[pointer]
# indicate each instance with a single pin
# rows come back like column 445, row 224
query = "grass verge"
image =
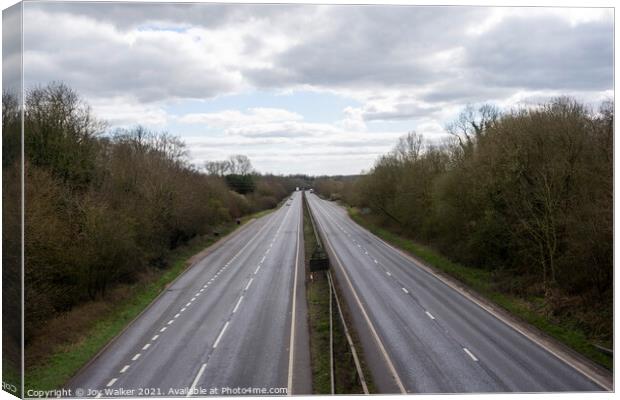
column 318, row 295
column 66, row 359
column 481, row 281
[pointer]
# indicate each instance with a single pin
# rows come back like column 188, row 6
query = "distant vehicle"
column 297, row 189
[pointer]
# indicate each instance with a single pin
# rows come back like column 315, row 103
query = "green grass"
column 317, row 293
column 66, row 360
column 318, row 315
column 346, row 380
column 480, row 281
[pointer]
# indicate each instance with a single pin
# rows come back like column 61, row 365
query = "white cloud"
column 235, row 118
column 398, row 65
column 125, row 112
column 353, row 119
column 98, row 59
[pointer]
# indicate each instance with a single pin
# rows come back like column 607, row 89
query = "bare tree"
column 408, row 147
column 218, row 168
column 471, row 123
column 240, row 165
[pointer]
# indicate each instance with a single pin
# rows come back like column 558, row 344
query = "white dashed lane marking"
column 429, row 315
column 134, row 358
column 405, row 290
column 146, row 346
column 237, row 305
column 125, row 368
column 469, row 353
column 200, row 371
column 111, row 382
column 219, row 337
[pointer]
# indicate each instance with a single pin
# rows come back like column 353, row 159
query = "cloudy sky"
column 306, row 88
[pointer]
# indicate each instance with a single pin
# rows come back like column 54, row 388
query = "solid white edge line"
column 356, row 360
column 195, row 382
column 382, row 349
column 237, row 305
column 111, row 382
column 291, row 351
column 217, row 341
column 469, row 353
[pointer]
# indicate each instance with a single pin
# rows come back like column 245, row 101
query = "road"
column 420, row 334
column 230, row 321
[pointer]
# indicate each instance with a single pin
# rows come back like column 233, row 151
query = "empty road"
column 234, row 321
column 421, row 335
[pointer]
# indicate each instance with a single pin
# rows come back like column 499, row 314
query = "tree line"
column 104, row 206
column 526, row 194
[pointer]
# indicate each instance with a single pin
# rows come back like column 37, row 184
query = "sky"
column 315, row 89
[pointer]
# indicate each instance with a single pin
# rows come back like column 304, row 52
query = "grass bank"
column 481, row 281
column 81, row 333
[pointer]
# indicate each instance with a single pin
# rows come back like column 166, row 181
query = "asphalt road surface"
column 234, row 321
column 421, row 335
